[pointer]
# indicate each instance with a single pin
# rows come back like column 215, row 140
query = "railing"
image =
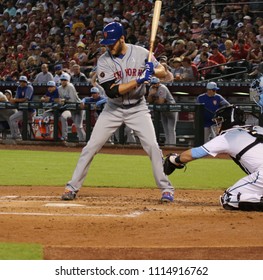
column 227, row 88
column 233, row 65
column 197, row 109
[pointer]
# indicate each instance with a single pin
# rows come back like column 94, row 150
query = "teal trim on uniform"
column 198, row 152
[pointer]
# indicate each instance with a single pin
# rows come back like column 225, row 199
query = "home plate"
column 64, row 205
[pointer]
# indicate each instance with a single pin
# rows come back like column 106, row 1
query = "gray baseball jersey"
column 122, row 70
column 5, row 113
column 70, row 94
column 130, row 109
column 164, row 92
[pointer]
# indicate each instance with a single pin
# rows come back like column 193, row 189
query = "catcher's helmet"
column 229, row 116
column 112, row 33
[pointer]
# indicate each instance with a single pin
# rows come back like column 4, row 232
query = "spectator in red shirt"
column 255, row 55
column 204, row 63
column 217, row 56
column 242, row 52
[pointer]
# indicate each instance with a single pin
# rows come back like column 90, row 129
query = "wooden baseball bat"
column 155, row 22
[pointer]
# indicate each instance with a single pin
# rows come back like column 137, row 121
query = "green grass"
column 43, row 168
column 20, row 251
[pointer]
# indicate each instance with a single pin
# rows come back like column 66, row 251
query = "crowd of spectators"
column 63, row 36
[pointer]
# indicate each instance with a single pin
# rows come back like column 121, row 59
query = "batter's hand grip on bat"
column 144, row 77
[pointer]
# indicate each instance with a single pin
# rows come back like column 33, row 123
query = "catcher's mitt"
column 169, row 167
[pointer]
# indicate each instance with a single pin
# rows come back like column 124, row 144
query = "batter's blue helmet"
column 112, row 33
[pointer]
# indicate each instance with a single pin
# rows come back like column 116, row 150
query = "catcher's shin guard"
column 251, row 206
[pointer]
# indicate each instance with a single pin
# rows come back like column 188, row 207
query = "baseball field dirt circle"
column 108, row 223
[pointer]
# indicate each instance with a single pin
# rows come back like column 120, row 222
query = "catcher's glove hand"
column 169, row 167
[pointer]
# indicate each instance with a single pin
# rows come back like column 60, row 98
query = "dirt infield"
column 107, row 223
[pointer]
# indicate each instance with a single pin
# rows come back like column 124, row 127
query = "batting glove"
column 150, row 67
column 144, row 77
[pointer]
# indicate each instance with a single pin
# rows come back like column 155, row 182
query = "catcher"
column 244, row 144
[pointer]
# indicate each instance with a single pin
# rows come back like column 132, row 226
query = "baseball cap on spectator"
column 124, row 21
column 99, row 33
column 33, row 47
column 155, row 80
column 177, row 59
column 224, row 35
column 247, row 17
column 88, row 32
column 212, row 86
column 58, row 67
column 206, row 15
column 180, row 41
column 163, row 58
column 80, row 44
column 240, row 24
column 38, row 35
column 205, row 45
column 64, row 77
column 51, row 84
column 195, row 22
column 94, row 90
column 8, row 91
column 23, row 79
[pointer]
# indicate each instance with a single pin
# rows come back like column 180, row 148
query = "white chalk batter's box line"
column 130, row 215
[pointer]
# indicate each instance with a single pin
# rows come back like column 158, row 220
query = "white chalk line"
column 22, row 199
column 130, row 215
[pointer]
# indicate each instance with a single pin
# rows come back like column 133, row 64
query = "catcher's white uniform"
column 232, row 142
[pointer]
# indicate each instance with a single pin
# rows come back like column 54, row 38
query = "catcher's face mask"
column 218, row 123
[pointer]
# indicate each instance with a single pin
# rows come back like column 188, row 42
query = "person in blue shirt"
column 212, row 101
column 24, row 93
column 97, row 102
column 51, row 96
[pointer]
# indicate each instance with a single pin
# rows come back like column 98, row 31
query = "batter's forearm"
column 127, row 87
column 160, row 71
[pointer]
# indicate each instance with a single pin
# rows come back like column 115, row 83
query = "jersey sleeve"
column 105, row 69
column 217, row 145
column 29, row 92
column 73, row 95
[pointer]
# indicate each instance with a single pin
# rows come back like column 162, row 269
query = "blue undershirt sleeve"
column 198, row 152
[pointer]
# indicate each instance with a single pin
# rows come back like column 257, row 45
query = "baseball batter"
column 245, row 145
column 123, row 72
